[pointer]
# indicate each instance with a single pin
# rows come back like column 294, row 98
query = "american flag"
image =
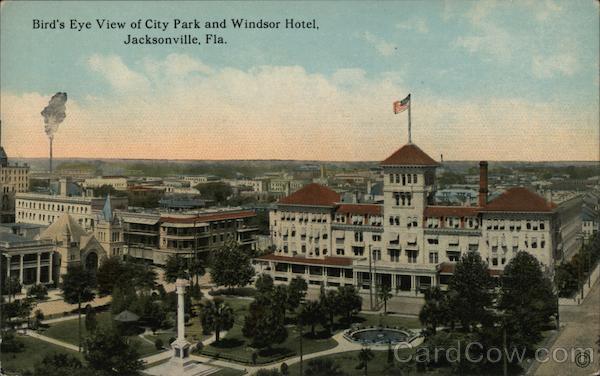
column 402, row 105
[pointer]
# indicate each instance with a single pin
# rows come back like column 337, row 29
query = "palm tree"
column 385, row 294
column 364, row 357
column 217, row 316
column 310, row 314
column 323, row 367
column 435, row 311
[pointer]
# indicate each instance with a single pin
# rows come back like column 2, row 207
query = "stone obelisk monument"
column 180, row 363
column 181, row 347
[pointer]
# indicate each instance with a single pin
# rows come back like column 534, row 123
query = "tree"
column 471, row 291
column 323, row 367
column 109, row 274
column 217, row 316
column 264, row 284
column 123, row 298
column 176, row 267
column 61, row 364
column 91, row 323
column 279, row 298
column 107, row 351
column 77, row 288
column 218, row 192
column 526, row 299
column 231, row 266
column 328, row 299
column 435, row 311
column 264, row 325
column 11, row 287
column 349, row 302
column 296, row 292
column 384, row 293
column 311, row 314
column 566, row 279
column 364, row 357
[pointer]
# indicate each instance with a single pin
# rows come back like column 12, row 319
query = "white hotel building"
column 413, row 243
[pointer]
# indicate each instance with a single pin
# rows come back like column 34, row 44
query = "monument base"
column 175, row 367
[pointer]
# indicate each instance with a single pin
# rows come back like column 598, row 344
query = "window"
column 409, row 179
column 495, row 261
column 414, row 178
column 358, row 251
column 403, row 179
column 433, row 257
column 542, row 226
column 433, row 241
column 528, row 226
column 358, row 236
column 340, row 251
column 412, row 256
column 394, row 255
column 376, row 238
column 376, row 255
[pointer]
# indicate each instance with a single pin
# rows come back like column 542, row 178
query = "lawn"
column 370, row 319
column 349, row 360
column 67, row 331
column 236, row 347
column 35, row 350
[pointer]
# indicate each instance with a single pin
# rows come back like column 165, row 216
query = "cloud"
column 382, row 46
column 287, row 112
column 120, row 77
column 417, row 24
column 548, row 66
column 494, row 42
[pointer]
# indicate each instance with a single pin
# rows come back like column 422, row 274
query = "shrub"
column 284, row 369
column 158, row 344
column 38, row 291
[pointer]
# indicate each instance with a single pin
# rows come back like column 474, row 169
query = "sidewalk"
column 66, row 345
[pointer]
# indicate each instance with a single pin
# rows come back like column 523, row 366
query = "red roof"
column 327, row 261
column 210, row 217
column 450, row 211
column 312, row 195
column 409, row 155
column 364, row 209
column 519, row 199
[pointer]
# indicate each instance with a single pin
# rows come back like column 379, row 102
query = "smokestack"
column 54, row 114
column 50, row 155
column 483, row 183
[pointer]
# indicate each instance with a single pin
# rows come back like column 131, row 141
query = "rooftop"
column 312, row 195
column 519, row 199
column 364, row 209
column 409, row 155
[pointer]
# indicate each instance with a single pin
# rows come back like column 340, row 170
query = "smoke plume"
column 54, row 113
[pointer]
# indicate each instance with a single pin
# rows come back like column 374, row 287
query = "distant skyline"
column 489, row 80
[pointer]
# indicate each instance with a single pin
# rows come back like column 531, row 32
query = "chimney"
column 483, row 183
column 63, row 188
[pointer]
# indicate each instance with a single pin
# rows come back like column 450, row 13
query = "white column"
column 393, row 282
column 50, row 278
column 38, row 269
column 8, row 258
column 21, row 269
column 181, row 284
column 413, row 283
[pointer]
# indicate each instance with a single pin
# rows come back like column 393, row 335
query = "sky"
column 488, row 80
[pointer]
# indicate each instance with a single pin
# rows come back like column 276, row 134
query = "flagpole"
column 409, row 133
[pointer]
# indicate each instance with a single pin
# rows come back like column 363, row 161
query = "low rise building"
column 14, row 178
column 155, row 236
